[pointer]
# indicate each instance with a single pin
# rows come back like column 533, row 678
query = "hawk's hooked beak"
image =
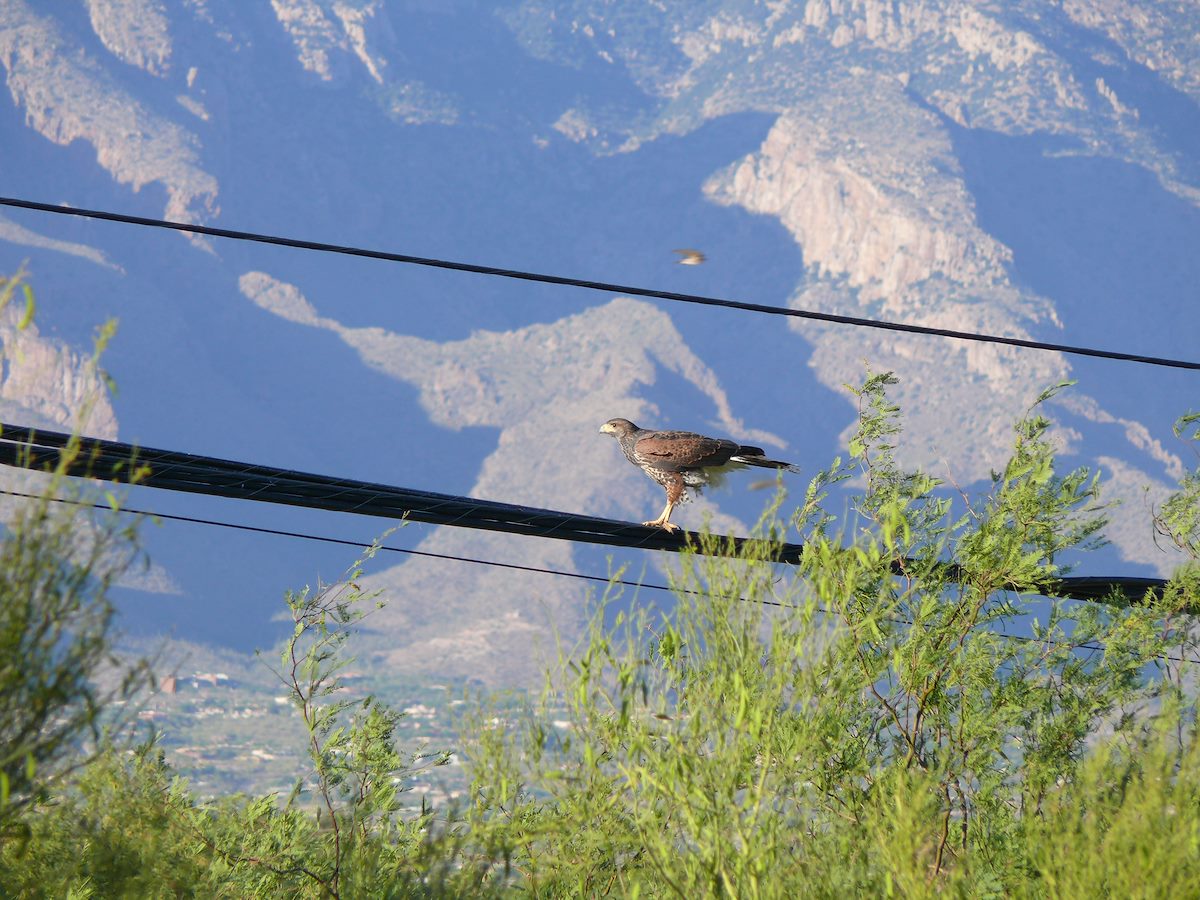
column 606, row 429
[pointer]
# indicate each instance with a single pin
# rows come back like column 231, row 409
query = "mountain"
column 1025, row 168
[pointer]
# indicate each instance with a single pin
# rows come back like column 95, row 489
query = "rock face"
column 46, row 384
column 18, row 234
column 322, row 31
column 883, row 210
column 475, row 621
column 68, row 96
column 1159, row 36
column 331, row 36
column 134, row 31
column 887, row 229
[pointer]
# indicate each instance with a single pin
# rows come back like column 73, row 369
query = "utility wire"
column 112, row 460
column 595, row 285
column 278, row 532
column 257, row 529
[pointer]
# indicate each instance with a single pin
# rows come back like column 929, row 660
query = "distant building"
column 214, row 679
column 167, row 684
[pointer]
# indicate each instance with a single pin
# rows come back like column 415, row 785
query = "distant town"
column 244, row 735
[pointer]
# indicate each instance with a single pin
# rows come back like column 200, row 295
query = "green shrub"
column 865, row 726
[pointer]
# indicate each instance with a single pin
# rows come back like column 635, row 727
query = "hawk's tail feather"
column 756, row 456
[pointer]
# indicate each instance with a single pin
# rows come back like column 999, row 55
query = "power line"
column 278, row 532
column 112, row 460
column 257, row 529
column 606, row 287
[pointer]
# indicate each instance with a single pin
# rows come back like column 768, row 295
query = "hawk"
column 680, row 459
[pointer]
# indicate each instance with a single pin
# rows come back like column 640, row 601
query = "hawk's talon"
column 667, row 526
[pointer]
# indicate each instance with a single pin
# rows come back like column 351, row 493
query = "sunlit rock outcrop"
column 46, row 384
column 134, row 31
column 66, row 96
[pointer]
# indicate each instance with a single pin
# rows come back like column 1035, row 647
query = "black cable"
column 277, row 532
column 594, row 285
column 186, row 472
column 112, row 460
column 257, row 529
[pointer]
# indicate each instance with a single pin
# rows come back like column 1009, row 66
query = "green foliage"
column 129, row 827
column 1128, row 822
column 9, row 286
column 1179, row 518
column 874, row 732
column 356, row 768
column 55, row 634
column 119, row 832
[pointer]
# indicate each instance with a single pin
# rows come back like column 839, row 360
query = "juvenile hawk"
column 681, row 459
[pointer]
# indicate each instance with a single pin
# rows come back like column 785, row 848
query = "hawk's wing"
column 673, row 450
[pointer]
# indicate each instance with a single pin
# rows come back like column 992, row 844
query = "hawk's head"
column 619, row 428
